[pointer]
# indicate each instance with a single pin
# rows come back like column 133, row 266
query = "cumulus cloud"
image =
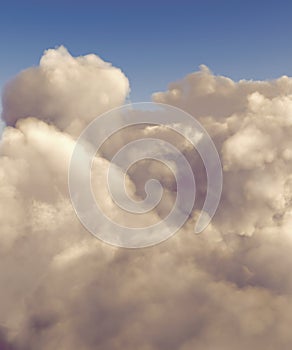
column 253, row 138
column 63, row 90
column 228, row 288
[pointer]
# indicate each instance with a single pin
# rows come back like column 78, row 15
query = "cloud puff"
column 229, row 288
column 204, row 94
column 63, row 90
column 250, row 123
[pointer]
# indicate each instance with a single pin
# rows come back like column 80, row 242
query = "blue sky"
column 153, row 43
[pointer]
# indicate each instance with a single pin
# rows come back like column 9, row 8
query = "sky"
column 222, row 146
column 152, row 42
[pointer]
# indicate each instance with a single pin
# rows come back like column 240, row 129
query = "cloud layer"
column 229, row 288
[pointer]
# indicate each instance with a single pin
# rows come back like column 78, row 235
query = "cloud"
column 63, row 90
column 250, row 123
column 228, row 288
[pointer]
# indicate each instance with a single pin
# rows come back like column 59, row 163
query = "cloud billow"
column 228, row 288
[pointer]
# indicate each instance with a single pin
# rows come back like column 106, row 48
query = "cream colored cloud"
column 250, row 123
column 228, row 288
column 63, row 90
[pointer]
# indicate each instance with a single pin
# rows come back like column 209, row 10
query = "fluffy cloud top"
column 63, row 90
column 229, row 288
